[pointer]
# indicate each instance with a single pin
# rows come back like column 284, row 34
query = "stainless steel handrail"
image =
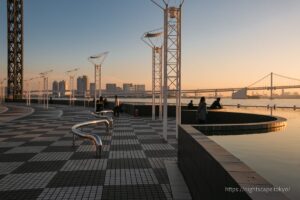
column 103, row 115
column 96, row 139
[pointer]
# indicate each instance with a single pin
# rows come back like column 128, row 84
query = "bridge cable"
column 258, row 80
column 282, row 76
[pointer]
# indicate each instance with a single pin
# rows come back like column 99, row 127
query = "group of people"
column 202, row 108
column 102, row 104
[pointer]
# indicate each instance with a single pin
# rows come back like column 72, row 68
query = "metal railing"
column 96, row 139
column 105, row 114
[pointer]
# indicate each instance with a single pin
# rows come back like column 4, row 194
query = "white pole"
column 100, row 91
column 95, row 90
column 44, row 90
column 178, row 114
column 47, row 93
column 73, row 94
column 165, row 92
column 70, row 90
column 153, row 83
column 160, row 84
column 1, row 92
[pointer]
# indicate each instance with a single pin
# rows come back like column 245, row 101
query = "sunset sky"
column 225, row 43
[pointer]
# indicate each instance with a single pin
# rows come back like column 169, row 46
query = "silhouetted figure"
column 202, row 111
column 117, row 107
column 100, row 105
column 191, row 105
column 105, row 103
column 216, row 104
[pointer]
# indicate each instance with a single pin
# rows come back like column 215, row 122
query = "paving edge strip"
column 177, row 183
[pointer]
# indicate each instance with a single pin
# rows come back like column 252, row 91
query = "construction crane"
column 98, row 60
column 71, row 75
column 44, row 75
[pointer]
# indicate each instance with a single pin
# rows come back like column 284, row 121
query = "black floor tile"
column 128, row 163
column 152, row 141
column 16, row 157
column 133, row 192
column 44, row 166
column 124, row 147
column 78, row 178
column 2, row 150
column 60, row 148
column 20, row 194
column 37, row 143
column 160, row 153
column 88, row 155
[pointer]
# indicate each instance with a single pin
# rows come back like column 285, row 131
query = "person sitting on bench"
column 216, row 104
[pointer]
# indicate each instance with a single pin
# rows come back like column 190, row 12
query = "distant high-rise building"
column 92, row 89
column 61, row 88
column 119, row 89
column 111, row 87
column 55, row 88
column 128, row 87
column 82, row 85
column 140, row 88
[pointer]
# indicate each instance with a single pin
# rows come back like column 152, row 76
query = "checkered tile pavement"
column 37, row 160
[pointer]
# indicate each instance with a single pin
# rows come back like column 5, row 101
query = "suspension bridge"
column 241, row 92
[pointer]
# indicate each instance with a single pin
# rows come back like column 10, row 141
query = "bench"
column 96, row 139
column 104, row 114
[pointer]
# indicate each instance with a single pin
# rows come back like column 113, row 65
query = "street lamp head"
column 168, row 3
column 98, row 59
column 153, row 38
column 45, row 73
column 72, row 70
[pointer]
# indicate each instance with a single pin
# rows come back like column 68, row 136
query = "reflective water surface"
column 274, row 155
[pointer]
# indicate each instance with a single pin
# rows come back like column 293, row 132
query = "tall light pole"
column 154, row 40
column 172, row 57
column 97, row 60
column 71, row 75
column 27, row 92
column 44, row 75
column 28, row 102
column 2, row 90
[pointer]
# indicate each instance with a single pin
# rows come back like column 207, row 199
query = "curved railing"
column 96, row 139
column 104, row 114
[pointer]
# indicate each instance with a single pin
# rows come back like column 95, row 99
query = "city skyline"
column 84, row 87
column 225, row 44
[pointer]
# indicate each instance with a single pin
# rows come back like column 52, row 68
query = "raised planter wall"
column 209, row 170
column 221, row 117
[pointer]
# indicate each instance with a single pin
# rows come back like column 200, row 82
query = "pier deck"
column 37, row 160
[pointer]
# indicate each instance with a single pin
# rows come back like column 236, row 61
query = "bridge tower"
column 271, row 85
column 15, row 49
